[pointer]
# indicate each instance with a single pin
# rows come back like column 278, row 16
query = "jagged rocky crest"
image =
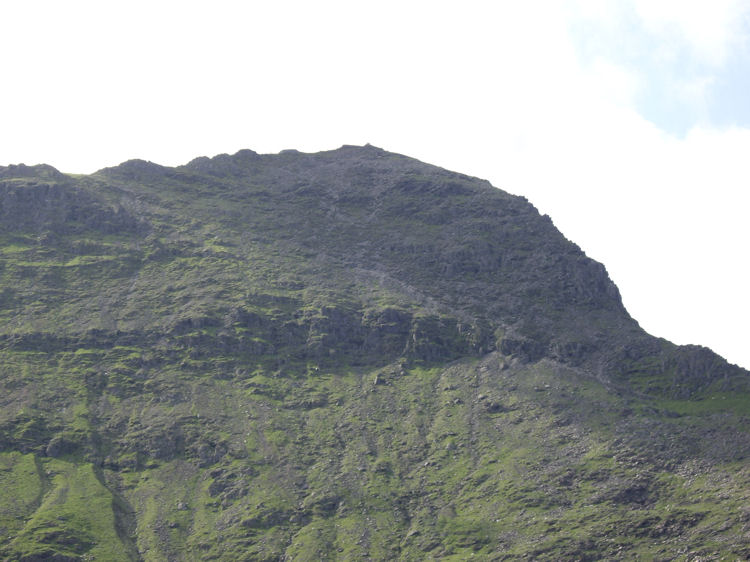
column 297, row 345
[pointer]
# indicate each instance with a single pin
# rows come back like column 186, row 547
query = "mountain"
column 346, row 355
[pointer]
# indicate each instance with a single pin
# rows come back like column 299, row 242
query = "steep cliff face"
column 347, row 354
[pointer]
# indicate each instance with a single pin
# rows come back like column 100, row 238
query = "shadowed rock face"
column 42, row 201
column 348, row 354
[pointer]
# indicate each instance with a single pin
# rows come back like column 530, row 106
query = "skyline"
column 627, row 121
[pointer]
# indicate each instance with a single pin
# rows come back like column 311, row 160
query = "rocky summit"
column 349, row 355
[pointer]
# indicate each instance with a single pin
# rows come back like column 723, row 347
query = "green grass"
column 75, row 517
column 715, row 403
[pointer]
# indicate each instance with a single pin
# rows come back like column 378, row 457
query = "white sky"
column 627, row 121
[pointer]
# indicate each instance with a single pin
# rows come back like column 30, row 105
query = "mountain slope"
column 348, row 354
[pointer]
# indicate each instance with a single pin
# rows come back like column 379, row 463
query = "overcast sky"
column 627, row 121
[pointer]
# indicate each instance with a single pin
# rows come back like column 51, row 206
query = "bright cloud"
column 690, row 57
column 712, row 29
